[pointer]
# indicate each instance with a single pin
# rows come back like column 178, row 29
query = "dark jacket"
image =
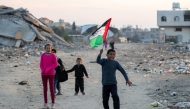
column 109, row 70
column 60, row 74
column 79, row 71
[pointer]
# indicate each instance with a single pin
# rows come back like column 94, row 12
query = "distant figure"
column 112, row 44
column 106, row 45
column 79, row 73
column 109, row 82
column 128, row 40
column 48, row 63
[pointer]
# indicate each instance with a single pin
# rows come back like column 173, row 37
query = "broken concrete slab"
column 37, row 32
column 9, row 29
column 19, row 24
column 13, row 11
column 18, row 42
column 56, row 37
column 29, row 19
column 18, row 35
column 45, row 34
column 7, row 41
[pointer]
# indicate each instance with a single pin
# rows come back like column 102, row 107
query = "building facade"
column 142, row 35
column 175, row 24
column 50, row 23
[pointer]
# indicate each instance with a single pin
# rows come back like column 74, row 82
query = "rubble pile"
column 19, row 27
column 168, row 63
column 158, row 60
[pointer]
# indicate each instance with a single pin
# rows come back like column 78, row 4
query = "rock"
column 162, row 59
column 16, row 66
column 23, row 83
column 72, row 55
column 1, row 55
column 9, row 57
column 145, row 70
column 140, row 62
column 183, row 105
column 27, row 63
column 173, row 94
column 155, row 104
column 26, row 55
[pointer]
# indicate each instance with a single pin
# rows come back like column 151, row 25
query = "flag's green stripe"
column 96, row 41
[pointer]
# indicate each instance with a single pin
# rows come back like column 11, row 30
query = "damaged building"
column 19, row 27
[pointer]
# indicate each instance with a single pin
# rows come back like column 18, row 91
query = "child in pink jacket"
column 48, row 63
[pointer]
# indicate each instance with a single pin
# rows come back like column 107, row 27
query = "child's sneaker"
column 76, row 94
column 83, row 93
column 45, row 106
column 52, row 106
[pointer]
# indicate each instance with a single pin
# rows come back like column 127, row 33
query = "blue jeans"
column 55, row 85
column 107, row 89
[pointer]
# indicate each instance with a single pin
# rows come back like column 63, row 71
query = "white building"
column 176, row 23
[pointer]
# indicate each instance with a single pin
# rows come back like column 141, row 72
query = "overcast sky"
column 123, row 12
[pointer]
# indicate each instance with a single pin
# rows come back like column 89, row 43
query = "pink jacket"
column 48, row 63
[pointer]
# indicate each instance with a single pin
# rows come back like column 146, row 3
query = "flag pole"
column 103, row 46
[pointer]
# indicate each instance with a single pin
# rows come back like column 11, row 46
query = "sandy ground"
column 139, row 96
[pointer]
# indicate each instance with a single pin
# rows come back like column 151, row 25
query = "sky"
column 123, row 12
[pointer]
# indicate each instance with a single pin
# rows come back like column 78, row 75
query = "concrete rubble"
column 19, row 27
column 164, row 61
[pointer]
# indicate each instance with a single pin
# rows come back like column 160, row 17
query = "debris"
column 155, row 104
column 72, row 55
column 24, row 83
column 26, row 55
column 19, row 27
column 16, row 66
column 183, row 104
column 173, row 94
column 27, row 63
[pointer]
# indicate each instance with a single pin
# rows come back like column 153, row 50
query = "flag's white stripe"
column 98, row 32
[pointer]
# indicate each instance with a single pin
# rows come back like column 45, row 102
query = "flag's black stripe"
column 104, row 24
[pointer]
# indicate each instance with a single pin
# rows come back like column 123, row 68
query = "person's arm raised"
column 98, row 60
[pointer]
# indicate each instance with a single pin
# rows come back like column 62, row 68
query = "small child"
column 79, row 73
column 48, row 63
column 59, row 69
column 109, row 82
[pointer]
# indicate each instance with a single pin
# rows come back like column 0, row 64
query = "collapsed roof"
column 18, row 26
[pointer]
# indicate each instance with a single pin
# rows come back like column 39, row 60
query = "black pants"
column 107, row 89
column 79, row 83
column 112, row 45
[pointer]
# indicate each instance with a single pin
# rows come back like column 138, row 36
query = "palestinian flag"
column 99, row 35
